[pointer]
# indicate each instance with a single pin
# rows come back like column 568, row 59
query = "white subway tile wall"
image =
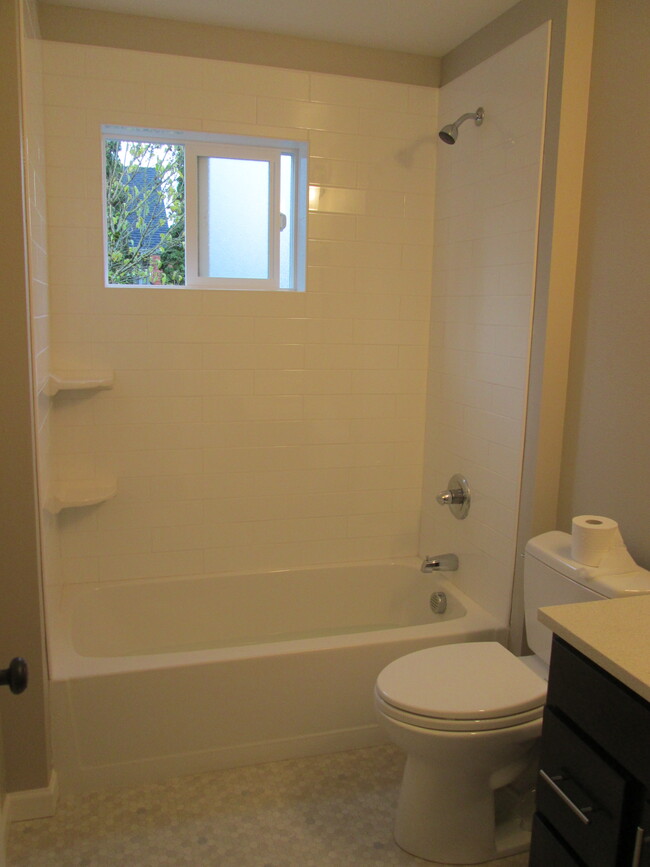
column 246, row 430
column 486, row 211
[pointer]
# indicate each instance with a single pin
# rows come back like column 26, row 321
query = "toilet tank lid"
column 554, row 550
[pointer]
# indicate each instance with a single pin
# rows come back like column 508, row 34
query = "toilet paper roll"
column 592, row 537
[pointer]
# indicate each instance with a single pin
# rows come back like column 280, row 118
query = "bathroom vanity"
column 593, row 789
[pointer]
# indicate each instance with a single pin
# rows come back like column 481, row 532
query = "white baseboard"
column 32, row 803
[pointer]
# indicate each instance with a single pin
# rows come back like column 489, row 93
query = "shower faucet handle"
column 457, row 497
column 447, row 498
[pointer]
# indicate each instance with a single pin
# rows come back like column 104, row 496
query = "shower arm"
column 470, row 115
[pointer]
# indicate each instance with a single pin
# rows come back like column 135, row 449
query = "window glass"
column 145, row 213
column 233, row 204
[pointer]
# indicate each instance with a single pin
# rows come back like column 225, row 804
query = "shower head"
column 449, row 133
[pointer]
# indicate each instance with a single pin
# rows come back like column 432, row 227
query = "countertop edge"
column 602, row 631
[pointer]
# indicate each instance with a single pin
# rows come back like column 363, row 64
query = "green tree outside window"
column 145, row 213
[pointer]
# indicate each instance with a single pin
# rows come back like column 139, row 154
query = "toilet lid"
column 477, row 680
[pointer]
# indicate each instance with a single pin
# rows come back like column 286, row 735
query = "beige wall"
column 24, row 716
column 92, row 27
column 503, row 31
column 606, row 461
column 38, row 266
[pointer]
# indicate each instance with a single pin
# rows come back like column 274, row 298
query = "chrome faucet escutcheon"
column 457, row 496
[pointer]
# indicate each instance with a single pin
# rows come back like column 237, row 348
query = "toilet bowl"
column 468, row 717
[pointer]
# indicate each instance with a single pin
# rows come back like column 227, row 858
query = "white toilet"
column 469, row 717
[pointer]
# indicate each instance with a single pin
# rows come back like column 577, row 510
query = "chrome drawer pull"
column 553, row 783
column 639, row 840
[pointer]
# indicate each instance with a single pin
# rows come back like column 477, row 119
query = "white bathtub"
column 157, row 678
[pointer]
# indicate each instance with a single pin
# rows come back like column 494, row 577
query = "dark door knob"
column 16, row 676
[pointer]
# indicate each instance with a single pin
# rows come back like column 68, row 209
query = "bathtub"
column 157, row 678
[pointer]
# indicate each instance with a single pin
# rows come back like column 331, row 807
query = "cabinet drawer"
column 545, row 848
column 602, row 707
column 580, row 794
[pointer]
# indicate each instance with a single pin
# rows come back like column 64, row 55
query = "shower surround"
column 485, row 247
column 255, row 430
column 245, row 430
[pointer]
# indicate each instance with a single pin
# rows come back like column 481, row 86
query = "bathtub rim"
column 65, row 663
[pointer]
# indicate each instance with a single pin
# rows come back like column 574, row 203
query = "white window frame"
column 238, row 147
column 195, row 226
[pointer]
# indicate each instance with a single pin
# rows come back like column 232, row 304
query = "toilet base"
column 511, row 835
column 509, row 841
column 462, row 814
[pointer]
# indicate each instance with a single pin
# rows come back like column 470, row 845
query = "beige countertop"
column 615, row 634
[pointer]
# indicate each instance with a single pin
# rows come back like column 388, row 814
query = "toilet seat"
column 475, row 686
column 453, row 725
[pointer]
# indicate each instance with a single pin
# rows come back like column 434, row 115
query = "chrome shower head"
column 449, row 133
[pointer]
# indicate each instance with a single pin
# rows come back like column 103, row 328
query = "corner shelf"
column 77, row 380
column 78, row 494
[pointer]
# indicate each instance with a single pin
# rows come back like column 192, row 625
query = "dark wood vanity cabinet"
column 593, row 787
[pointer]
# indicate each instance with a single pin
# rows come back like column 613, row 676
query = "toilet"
column 469, row 717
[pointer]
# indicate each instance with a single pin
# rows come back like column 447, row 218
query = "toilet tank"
column 552, row 577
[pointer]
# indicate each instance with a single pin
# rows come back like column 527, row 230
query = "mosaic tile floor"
column 313, row 812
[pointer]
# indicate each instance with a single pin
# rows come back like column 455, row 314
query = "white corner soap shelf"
column 79, row 493
column 77, row 380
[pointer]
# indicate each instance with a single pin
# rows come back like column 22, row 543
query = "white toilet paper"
column 593, row 537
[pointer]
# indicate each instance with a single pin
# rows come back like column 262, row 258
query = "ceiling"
column 431, row 27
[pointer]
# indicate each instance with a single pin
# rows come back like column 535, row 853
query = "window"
column 204, row 212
